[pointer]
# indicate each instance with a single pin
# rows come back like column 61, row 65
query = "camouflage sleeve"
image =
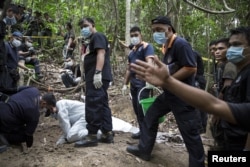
column 230, row 71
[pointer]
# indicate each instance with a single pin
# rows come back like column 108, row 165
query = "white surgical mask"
column 16, row 43
column 135, row 40
column 28, row 44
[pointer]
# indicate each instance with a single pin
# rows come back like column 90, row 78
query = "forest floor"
column 45, row 153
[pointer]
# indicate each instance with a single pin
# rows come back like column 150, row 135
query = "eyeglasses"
column 134, row 35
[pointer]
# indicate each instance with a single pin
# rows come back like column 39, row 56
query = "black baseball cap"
column 163, row 20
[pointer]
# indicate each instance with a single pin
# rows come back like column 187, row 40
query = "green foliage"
column 199, row 26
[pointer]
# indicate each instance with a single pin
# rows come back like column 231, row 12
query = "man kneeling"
column 71, row 116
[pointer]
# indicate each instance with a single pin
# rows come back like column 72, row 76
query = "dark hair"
column 88, row 19
column 242, row 30
column 68, row 24
column 134, row 29
column 50, row 99
column 223, row 40
column 213, row 42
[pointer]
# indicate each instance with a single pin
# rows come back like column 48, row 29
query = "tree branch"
column 229, row 10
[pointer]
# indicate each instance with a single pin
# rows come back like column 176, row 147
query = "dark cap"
column 163, row 20
column 17, row 34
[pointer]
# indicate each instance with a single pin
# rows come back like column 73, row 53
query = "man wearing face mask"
column 10, row 17
column 235, row 138
column 27, row 54
column 179, row 57
column 142, row 51
column 13, row 58
column 98, row 75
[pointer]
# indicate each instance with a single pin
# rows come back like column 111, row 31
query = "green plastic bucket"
column 146, row 103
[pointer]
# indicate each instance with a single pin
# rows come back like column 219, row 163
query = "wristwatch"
column 97, row 71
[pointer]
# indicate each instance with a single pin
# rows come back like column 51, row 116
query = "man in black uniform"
column 97, row 77
column 237, row 95
column 239, row 92
column 19, row 116
column 181, row 62
column 12, row 59
column 158, row 75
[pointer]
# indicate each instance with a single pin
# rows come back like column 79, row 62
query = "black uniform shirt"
column 97, row 41
column 241, row 112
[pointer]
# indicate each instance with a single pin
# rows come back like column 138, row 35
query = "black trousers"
column 98, row 113
column 187, row 121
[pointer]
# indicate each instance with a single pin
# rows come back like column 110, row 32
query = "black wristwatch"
column 97, row 71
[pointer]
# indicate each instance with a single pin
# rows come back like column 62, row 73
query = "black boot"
column 89, row 141
column 107, row 137
column 134, row 149
column 136, row 135
column 3, row 148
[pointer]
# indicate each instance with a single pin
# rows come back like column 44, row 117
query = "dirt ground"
column 44, row 153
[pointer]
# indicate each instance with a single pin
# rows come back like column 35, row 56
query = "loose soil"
column 44, row 153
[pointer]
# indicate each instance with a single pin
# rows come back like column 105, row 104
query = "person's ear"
column 246, row 52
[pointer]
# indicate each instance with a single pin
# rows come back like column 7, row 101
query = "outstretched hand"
column 156, row 74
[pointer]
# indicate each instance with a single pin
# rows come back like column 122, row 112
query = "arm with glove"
column 126, row 81
column 97, row 79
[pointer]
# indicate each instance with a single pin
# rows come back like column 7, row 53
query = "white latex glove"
column 149, row 86
column 31, row 71
column 124, row 90
column 61, row 141
column 78, row 79
column 97, row 80
column 69, row 72
column 27, row 59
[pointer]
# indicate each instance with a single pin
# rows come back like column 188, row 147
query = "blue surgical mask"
column 85, row 32
column 16, row 43
column 135, row 40
column 10, row 20
column 235, row 54
column 160, row 37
